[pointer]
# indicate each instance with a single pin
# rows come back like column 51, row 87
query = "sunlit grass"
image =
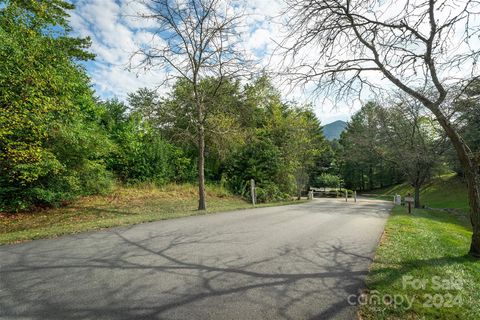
column 447, row 191
column 424, row 245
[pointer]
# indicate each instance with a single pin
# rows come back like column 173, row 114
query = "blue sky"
column 115, row 35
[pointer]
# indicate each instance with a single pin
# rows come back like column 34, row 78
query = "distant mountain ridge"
column 333, row 130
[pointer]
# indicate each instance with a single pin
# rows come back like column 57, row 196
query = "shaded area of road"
column 291, row 262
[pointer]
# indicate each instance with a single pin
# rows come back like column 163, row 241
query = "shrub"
column 260, row 160
column 269, row 192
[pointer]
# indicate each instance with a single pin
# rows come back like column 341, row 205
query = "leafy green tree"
column 222, row 128
column 411, row 140
column 194, row 40
column 146, row 102
column 259, row 160
column 417, row 49
column 467, row 122
column 359, row 165
column 140, row 153
column 268, row 116
column 307, row 143
column 326, row 180
column 174, row 118
column 402, row 142
column 44, row 92
column 291, row 129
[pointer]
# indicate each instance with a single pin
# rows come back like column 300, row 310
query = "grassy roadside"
column 125, row 206
column 446, row 191
column 421, row 270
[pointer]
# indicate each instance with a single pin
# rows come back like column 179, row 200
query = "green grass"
column 447, row 191
column 422, row 246
column 125, row 206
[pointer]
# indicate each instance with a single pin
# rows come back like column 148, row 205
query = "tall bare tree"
column 412, row 44
column 193, row 40
column 411, row 140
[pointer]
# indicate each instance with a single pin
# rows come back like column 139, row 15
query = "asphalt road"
column 291, row 262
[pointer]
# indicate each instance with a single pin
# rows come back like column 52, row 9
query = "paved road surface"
column 291, row 262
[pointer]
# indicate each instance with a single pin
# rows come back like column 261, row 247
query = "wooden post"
column 409, row 200
column 355, row 195
column 346, row 195
column 252, row 191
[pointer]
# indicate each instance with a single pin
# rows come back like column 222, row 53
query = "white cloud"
column 115, row 37
column 259, row 39
column 132, row 11
column 117, row 32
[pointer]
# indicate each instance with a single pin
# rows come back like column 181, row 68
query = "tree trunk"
column 472, row 175
column 473, row 183
column 299, row 190
column 417, row 196
column 382, row 175
column 202, row 202
column 370, row 178
column 362, row 180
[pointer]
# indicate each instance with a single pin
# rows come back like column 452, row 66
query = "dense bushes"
column 55, row 140
column 102, row 142
column 72, row 164
column 326, row 180
column 259, row 160
column 148, row 157
column 51, row 146
column 140, row 153
column 59, row 142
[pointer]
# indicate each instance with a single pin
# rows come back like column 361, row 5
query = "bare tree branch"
column 419, row 46
column 194, row 40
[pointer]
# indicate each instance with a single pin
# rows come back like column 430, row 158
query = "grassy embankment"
column 447, row 191
column 123, row 207
column 422, row 258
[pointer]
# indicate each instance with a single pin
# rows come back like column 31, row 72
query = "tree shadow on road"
column 162, row 276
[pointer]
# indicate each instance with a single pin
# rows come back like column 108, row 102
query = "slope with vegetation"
column 123, row 206
column 422, row 246
column 445, row 191
column 334, row 129
column 371, row 42
column 428, row 245
column 58, row 142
